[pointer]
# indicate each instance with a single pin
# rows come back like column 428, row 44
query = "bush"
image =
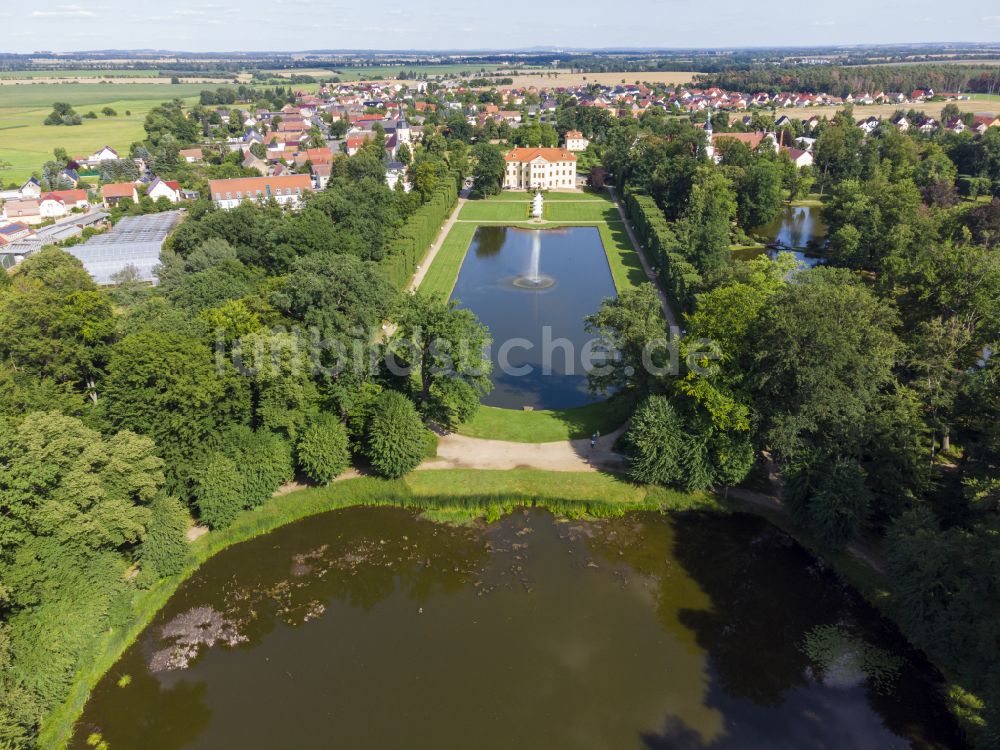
column 266, row 460
column 656, row 435
column 322, row 449
column 396, row 442
column 670, row 448
column 165, row 548
column 219, row 491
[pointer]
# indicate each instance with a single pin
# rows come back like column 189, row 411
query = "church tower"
column 709, row 148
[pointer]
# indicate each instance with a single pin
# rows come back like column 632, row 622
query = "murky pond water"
column 373, row 628
column 524, row 318
column 799, row 230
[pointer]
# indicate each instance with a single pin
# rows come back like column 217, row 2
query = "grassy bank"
column 546, row 426
column 444, row 495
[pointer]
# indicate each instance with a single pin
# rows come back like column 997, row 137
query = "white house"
column 169, row 189
column 394, row 172
column 105, row 154
column 544, row 168
column 575, row 141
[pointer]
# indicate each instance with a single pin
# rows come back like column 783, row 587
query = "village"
column 287, row 153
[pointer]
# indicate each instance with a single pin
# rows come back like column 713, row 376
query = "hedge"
column 680, row 277
column 415, row 238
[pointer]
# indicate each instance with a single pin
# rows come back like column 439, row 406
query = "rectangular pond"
column 539, row 341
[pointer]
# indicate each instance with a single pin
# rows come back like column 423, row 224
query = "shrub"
column 165, row 548
column 396, row 442
column 829, row 498
column 219, row 492
column 322, row 449
column 265, row 459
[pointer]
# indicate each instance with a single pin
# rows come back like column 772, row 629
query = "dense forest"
column 841, row 80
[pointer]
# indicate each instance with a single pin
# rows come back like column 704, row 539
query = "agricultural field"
column 25, row 143
column 980, row 103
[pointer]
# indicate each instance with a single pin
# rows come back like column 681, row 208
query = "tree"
column 449, row 344
column 166, row 385
column 630, row 324
column 488, row 172
column 759, row 196
column 395, row 444
column 58, row 326
column 704, row 225
column 830, row 499
column 825, row 351
column 165, row 547
column 322, row 449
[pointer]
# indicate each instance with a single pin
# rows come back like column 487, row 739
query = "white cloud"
column 991, row 19
column 64, row 11
column 187, row 12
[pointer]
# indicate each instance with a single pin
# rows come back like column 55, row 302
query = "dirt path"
column 462, row 452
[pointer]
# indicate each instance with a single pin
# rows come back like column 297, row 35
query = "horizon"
column 204, row 28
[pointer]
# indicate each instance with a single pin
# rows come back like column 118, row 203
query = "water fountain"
column 536, row 206
column 533, row 278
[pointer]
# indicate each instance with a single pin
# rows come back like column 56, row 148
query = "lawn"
column 27, row 144
column 547, row 426
column 587, row 210
column 441, row 276
column 518, row 196
column 494, row 210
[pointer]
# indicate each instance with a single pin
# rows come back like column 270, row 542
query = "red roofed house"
column 169, row 189
column 25, row 211
column 113, row 193
column 544, row 168
column 285, row 189
column 191, row 155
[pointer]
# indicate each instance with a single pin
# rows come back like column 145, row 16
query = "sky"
column 289, row 25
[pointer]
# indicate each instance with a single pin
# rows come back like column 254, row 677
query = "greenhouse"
column 135, row 242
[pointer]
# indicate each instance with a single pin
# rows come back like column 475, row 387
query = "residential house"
column 543, row 168
column 800, row 157
column 169, row 189
column 26, row 211
column 287, row 190
column 12, row 232
column 115, row 192
column 105, row 154
column 254, row 162
column 191, row 155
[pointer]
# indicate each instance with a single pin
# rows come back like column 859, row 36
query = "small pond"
column 374, row 628
column 799, row 230
column 531, row 288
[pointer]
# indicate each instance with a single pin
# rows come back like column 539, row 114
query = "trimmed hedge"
column 415, row 238
column 679, row 275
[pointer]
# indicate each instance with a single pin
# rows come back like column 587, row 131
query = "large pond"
column 497, row 282
column 373, row 628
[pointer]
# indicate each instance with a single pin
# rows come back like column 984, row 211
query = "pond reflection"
column 372, row 628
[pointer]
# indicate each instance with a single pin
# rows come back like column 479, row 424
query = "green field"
column 78, row 73
column 27, row 144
